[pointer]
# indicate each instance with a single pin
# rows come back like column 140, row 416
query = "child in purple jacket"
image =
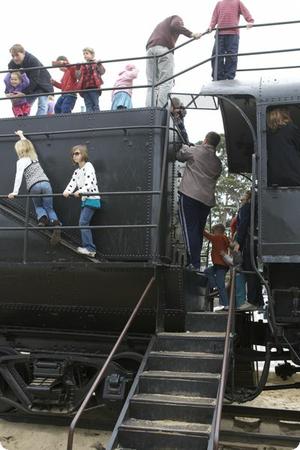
column 16, row 83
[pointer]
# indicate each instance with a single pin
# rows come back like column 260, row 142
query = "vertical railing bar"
column 216, row 61
column 25, row 245
column 104, row 367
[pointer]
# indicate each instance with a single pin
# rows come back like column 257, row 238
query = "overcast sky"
column 118, row 29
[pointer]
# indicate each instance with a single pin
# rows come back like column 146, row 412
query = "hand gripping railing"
column 106, row 364
column 213, row 443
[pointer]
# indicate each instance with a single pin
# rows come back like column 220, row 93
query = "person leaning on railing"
column 40, row 80
column 227, row 14
column 163, row 39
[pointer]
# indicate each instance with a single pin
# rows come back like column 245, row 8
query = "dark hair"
column 218, row 226
column 213, row 138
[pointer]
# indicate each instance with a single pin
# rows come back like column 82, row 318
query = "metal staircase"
column 172, row 403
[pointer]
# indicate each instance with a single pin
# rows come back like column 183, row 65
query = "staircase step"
column 206, row 321
column 172, row 407
column 185, row 361
column 205, row 386
column 202, row 341
column 185, row 375
column 163, row 435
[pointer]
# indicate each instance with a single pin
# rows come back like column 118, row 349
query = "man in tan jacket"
column 197, row 192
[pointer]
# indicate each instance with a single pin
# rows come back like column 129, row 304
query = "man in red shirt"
column 217, row 272
column 227, row 14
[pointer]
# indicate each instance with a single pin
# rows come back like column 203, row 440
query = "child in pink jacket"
column 121, row 98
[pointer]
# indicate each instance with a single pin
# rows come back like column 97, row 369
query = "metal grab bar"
column 213, row 443
column 107, row 362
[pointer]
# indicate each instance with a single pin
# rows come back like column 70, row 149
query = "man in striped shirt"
column 227, row 14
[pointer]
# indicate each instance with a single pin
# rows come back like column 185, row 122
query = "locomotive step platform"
column 173, row 404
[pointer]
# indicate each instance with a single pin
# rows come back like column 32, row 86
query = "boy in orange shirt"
column 217, row 272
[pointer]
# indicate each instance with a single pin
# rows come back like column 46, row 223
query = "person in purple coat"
column 15, row 85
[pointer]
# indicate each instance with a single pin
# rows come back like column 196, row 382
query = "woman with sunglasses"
column 84, row 181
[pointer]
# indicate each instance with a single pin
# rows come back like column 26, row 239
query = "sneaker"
column 43, row 221
column 247, row 307
column 219, row 308
column 86, row 252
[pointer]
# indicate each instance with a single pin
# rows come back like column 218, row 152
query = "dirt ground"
column 17, row 436
column 20, row 436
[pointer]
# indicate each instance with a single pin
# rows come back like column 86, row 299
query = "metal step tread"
column 184, row 375
column 193, row 334
column 174, row 399
column 166, row 426
column 180, row 354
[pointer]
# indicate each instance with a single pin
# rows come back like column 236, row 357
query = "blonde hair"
column 83, row 151
column 278, row 117
column 24, row 147
column 90, row 50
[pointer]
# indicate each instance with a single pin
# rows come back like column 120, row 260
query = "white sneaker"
column 86, row 252
column 247, row 307
column 218, row 308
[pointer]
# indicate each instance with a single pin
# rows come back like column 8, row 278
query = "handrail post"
column 213, row 443
column 25, row 245
column 216, row 61
column 154, row 72
column 106, row 364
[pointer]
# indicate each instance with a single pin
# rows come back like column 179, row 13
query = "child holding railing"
column 84, row 181
column 90, row 80
column 16, row 83
column 37, row 182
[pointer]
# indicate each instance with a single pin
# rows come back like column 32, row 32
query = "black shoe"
column 43, row 221
column 192, row 268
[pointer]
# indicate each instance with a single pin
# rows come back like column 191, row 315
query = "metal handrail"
column 213, row 443
column 153, row 86
column 28, row 227
column 107, row 362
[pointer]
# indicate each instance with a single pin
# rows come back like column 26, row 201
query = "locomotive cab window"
column 283, row 146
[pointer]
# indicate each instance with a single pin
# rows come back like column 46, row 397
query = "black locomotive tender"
column 60, row 312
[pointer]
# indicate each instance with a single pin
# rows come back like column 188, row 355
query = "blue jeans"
column 228, row 44
column 65, row 104
column 216, row 278
column 43, row 205
column 91, row 100
column 86, row 234
column 192, row 216
column 42, row 104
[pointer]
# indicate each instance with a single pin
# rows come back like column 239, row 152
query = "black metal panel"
column 280, row 230
column 85, row 296
column 239, row 140
column 124, row 159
